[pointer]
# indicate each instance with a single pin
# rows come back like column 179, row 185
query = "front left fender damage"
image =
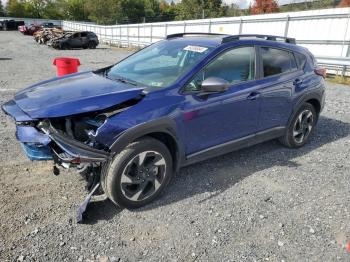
column 70, row 141
column 66, row 149
column 48, row 144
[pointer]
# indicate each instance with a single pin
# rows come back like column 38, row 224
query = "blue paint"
column 37, row 153
column 200, row 122
column 74, row 94
column 29, row 134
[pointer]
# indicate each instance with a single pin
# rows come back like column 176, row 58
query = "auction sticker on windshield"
column 195, row 48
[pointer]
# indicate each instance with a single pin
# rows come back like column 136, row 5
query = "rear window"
column 301, row 60
column 277, row 61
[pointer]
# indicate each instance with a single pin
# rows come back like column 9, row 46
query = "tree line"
column 138, row 11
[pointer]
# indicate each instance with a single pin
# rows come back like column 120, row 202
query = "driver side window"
column 235, row 66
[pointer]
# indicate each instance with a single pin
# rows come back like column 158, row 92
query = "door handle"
column 253, row 95
column 297, row 82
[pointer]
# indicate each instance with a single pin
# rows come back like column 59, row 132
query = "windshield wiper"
column 125, row 81
column 120, row 79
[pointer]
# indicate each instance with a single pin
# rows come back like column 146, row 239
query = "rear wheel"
column 301, row 127
column 139, row 173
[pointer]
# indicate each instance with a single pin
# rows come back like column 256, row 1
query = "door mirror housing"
column 215, row 85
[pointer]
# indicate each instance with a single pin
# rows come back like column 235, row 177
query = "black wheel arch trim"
column 312, row 95
column 162, row 125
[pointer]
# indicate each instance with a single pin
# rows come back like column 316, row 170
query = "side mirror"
column 215, row 85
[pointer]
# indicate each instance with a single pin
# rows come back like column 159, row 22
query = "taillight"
column 321, row 71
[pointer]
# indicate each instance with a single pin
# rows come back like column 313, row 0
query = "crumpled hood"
column 73, row 94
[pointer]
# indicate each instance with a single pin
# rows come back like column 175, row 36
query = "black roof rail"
column 265, row 37
column 228, row 38
column 194, row 34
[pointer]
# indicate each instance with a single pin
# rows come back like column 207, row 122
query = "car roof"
column 205, row 40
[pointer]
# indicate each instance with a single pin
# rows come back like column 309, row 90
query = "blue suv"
column 129, row 127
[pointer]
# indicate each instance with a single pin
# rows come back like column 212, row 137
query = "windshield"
column 160, row 64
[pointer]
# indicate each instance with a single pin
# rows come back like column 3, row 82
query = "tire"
column 92, row 45
column 139, row 173
column 300, row 127
column 64, row 46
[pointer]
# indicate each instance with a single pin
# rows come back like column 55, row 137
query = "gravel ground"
column 258, row 204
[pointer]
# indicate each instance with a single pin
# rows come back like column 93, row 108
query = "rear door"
column 279, row 76
column 75, row 40
column 84, row 39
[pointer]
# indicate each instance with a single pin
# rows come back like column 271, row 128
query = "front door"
column 210, row 120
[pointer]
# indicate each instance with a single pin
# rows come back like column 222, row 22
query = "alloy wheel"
column 143, row 175
column 303, row 126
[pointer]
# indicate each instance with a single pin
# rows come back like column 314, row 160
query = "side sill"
column 234, row 145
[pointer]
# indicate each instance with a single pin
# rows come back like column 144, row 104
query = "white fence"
column 324, row 32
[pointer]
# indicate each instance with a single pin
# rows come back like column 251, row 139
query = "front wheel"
column 301, row 127
column 64, row 46
column 92, row 45
column 139, row 173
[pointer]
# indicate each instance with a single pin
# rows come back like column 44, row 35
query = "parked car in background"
column 8, row 25
column 22, row 29
column 71, row 40
column 29, row 30
column 129, row 127
column 48, row 25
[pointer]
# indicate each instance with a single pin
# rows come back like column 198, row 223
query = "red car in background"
column 29, row 30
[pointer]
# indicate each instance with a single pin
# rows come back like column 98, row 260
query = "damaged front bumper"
column 53, row 145
column 47, row 143
column 73, row 151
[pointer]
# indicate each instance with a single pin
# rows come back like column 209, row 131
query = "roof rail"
column 194, row 34
column 265, row 37
column 228, row 38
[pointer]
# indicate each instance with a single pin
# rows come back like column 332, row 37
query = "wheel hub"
column 143, row 175
column 303, row 126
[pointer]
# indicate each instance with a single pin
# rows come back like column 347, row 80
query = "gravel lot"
column 258, row 204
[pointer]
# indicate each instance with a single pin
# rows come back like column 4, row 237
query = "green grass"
column 345, row 80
